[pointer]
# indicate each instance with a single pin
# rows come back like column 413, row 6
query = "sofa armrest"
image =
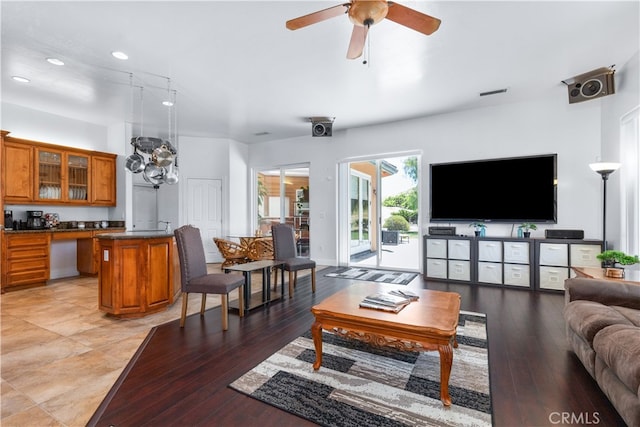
column 607, row 292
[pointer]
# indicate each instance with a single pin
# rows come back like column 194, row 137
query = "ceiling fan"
column 364, row 14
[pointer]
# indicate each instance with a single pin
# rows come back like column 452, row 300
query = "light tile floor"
column 59, row 355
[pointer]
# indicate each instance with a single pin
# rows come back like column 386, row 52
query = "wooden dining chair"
column 284, row 248
column 196, row 279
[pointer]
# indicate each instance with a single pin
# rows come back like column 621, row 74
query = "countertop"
column 146, row 234
column 62, row 230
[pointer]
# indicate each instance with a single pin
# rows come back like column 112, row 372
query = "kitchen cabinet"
column 25, row 260
column 137, row 274
column 103, row 180
column 40, row 173
column 17, row 172
column 88, row 252
column 63, row 176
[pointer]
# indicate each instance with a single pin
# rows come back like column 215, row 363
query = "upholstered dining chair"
column 196, row 279
column 232, row 252
column 284, row 248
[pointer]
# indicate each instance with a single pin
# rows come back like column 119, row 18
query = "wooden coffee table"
column 428, row 324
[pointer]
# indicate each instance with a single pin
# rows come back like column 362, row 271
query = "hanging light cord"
column 169, row 108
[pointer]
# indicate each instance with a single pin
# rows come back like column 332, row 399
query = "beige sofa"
column 603, row 328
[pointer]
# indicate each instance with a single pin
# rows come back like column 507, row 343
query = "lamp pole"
column 604, row 169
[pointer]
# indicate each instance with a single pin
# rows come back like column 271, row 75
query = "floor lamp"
column 604, row 169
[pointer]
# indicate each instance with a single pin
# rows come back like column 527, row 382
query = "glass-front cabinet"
column 77, row 177
column 49, row 174
column 62, row 176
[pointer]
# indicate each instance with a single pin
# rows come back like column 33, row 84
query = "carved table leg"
column 446, row 360
column 316, row 333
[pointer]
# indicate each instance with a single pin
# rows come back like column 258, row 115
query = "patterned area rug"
column 360, row 385
column 385, row 276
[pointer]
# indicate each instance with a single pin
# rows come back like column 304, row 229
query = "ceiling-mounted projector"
column 321, row 126
column 591, row 85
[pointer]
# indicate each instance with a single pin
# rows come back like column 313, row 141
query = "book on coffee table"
column 405, row 294
column 385, row 301
column 389, row 308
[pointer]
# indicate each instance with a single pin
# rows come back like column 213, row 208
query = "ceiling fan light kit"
column 365, row 13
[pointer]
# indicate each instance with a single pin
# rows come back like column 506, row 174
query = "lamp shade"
column 604, row 167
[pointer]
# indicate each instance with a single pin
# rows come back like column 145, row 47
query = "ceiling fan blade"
column 413, row 19
column 356, row 45
column 315, row 17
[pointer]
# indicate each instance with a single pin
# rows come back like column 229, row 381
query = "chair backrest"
column 260, row 249
column 284, row 241
column 229, row 249
column 193, row 263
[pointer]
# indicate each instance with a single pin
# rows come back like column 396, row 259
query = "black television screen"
column 518, row 189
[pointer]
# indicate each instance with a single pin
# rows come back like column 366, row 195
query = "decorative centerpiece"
column 526, row 228
column 479, row 228
column 609, row 260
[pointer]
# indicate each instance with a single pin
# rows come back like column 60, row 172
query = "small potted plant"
column 526, row 228
column 610, row 258
column 478, row 228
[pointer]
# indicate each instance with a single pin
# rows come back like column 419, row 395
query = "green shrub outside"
column 409, row 215
column 396, row 222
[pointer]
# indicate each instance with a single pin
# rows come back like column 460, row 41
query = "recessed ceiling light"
column 21, row 79
column 120, row 55
column 55, row 61
column 167, row 103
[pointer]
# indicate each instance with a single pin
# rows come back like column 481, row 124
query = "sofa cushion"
column 619, row 347
column 632, row 315
column 587, row 318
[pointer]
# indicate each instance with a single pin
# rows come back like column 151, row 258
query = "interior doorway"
column 382, row 229
column 283, row 197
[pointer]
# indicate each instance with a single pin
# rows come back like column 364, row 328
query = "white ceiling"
column 239, row 72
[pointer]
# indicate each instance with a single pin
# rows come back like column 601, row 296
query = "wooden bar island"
column 139, row 273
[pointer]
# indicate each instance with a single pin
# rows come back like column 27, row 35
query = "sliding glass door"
column 360, row 198
column 383, row 213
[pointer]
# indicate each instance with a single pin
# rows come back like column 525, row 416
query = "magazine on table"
column 392, row 301
column 383, row 307
column 405, row 294
column 386, row 299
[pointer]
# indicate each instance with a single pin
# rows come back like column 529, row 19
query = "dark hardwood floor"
column 180, row 376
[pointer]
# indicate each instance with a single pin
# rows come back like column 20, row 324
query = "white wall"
column 614, row 107
column 239, row 188
column 541, row 126
column 204, row 158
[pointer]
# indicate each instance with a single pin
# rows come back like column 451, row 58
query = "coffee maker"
column 8, row 219
column 35, row 220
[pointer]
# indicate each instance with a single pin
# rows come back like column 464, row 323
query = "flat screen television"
column 508, row 190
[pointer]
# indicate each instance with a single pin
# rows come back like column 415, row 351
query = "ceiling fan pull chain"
column 367, row 46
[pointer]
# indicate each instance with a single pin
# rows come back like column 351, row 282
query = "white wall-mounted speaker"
column 591, row 85
column 321, row 128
